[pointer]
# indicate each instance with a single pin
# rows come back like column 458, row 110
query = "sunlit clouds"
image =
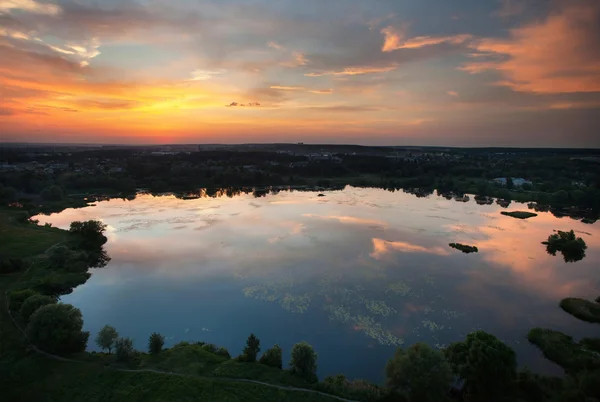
column 392, row 74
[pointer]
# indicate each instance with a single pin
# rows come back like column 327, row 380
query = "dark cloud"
column 249, row 104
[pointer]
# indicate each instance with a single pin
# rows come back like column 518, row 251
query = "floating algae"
column 296, row 304
column 429, row 280
column 379, row 308
column 432, row 326
column 365, row 324
column 452, row 314
column 339, row 313
column 375, row 331
column 399, row 288
column 269, row 291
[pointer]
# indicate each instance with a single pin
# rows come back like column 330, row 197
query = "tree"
column 420, row 372
column 572, row 247
column 52, row 193
column 8, row 194
column 252, row 348
column 33, row 303
column 155, row 343
column 272, row 357
column 304, row 361
column 91, row 233
column 57, row 328
column 509, row 183
column 58, row 256
column 487, row 365
column 106, row 338
column 16, row 298
column 124, row 349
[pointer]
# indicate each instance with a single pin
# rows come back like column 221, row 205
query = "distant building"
column 517, row 181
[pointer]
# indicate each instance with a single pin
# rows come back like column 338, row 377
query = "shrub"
column 91, row 233
column 272, row 357
column 252, row 348
column 304, row 361
column 16, row 298
column 10, row 265
column 210, row 347
column 124, row 349
column 155, row 343
column 223, row 352
column 107, row 337
column 22, row 217
column 58, row 256
column 33, row 303
column 57, row 328
column 420, row 372
column 52, row 193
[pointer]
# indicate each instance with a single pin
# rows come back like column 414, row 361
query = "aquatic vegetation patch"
column 572, row 247
column 464, row 248
column 583, row 309
column 432, row 326
column 519, row 214
column 379, row 307
column 296, row 304
column 399, row 288
column 339, row 313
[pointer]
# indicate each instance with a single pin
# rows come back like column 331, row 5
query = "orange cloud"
column 356, row 71
column 287, row 88
column 393, row 40
column 322, row 91
column 383, row 247
column 298, row 59
column 452, row 93
column 29, row 5
column 557, row 55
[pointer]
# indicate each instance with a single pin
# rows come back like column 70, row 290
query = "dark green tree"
column 252, row 348
column 572, row 247
column 485, row 364
column 272, row 357
column 304, row 361
column 419, row 372
column 16, row 298
column 509, row 183
column 52, row 193
column 58, row 256
column 57, row 328
column 155, row 343
column 124, row 349
column 90, row 233
column 107, row 337
column 33, row 303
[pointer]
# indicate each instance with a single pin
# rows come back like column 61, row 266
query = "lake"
column 355, row 273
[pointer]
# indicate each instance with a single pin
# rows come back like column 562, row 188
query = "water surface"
column 355, row 273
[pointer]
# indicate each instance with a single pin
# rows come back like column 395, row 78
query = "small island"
column 464, row 248
column 572, row 247
column 519, row 214
column 583, row 309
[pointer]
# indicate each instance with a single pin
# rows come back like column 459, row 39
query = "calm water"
column 354, row 273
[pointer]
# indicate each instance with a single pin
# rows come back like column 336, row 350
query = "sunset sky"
column 385, row 72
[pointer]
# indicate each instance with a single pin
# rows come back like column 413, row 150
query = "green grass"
column 37, row 379
column 583, row 309
column 519, row 214
column 22, row 240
